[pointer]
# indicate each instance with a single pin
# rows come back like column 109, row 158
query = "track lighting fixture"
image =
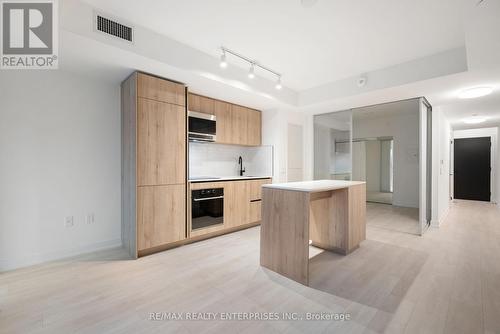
column 278, row 83
column 223, row 62
column 253, row 65
column 251, row 72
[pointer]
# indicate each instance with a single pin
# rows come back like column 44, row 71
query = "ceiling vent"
column 113, row 28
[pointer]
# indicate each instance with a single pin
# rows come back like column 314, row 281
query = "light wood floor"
column 393, row 218
column 445, row 282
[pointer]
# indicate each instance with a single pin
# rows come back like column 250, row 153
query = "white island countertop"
column 313, row 186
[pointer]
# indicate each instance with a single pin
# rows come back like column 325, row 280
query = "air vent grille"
column 114, row 28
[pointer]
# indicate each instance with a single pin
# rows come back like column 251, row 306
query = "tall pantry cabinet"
column 153, row 163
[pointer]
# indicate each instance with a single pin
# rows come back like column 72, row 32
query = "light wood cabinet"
column 153, row 163
column 255, row 188
column 201, row 104
column 160, row 215
column 242, row 204
column 161, row 143
column 255, row 199
column 158, row 89
column 224, row 122
column 236, row 204
column 239, row 124
column 254, row 127
column 235, row 124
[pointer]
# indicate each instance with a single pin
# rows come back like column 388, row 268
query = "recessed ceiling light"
column 474, row 92
column 474, row 119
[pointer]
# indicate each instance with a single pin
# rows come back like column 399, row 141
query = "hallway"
column 458, row 288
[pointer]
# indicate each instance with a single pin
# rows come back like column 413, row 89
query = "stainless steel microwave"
column 201, row 127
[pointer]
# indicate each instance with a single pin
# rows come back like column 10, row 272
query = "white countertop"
column 227, row 178
column 313, row 186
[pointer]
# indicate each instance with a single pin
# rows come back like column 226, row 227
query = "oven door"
column 201, row 127
column 207, row 208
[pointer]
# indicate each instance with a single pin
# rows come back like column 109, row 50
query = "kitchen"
column 193, row 167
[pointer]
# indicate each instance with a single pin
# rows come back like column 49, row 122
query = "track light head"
column 278, row 84
column 223, row 62
column 251, row 72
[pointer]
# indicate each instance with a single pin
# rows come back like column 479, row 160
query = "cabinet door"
column 255, row 199
column 254, row 127
column 239, row 122
column 160, row 215
column 224, row 123
column 236, row 204
column 255, row 214
column 201, row 104
column 158, row 89
column 255, row 188
column 161, row 143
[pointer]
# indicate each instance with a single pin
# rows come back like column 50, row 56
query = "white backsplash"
column 210, row 159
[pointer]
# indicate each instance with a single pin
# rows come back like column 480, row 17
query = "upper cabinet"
column 254, row 127
column 240, row 124
column 236, row 124
column 224, row 125
column 153, row 88
column 201, row 104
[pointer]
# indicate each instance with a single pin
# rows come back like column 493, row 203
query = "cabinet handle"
column 255, row 200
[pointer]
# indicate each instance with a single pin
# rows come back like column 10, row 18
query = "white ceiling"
column 398, row 108
column 311, row 46
column 487, row 106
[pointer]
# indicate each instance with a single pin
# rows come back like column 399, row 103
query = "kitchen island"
column 331, row 214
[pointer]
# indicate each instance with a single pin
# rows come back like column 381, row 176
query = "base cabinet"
column 255, row 214
column 160, row 215
column 242, row 204
column 235, row 204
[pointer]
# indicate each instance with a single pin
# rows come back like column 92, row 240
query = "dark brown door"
column 472, row 168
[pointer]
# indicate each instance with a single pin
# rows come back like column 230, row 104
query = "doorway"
column 472, row 168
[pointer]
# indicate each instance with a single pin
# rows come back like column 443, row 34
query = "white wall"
column 495, row 169
column 60, row 149
column 404, row 129
column 441, row 137
column 295, row 152
column 275, row 132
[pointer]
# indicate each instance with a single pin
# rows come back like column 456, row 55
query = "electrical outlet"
column 89, row 219
column 69, row 222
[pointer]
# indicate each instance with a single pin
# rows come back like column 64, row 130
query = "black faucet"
column 240, row 163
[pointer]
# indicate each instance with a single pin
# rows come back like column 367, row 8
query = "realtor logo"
column 29, row 34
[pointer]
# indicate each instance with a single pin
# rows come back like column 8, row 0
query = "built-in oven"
column 201, row 127
column 207, row 208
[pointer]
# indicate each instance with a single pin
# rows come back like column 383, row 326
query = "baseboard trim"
column 12, row 264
